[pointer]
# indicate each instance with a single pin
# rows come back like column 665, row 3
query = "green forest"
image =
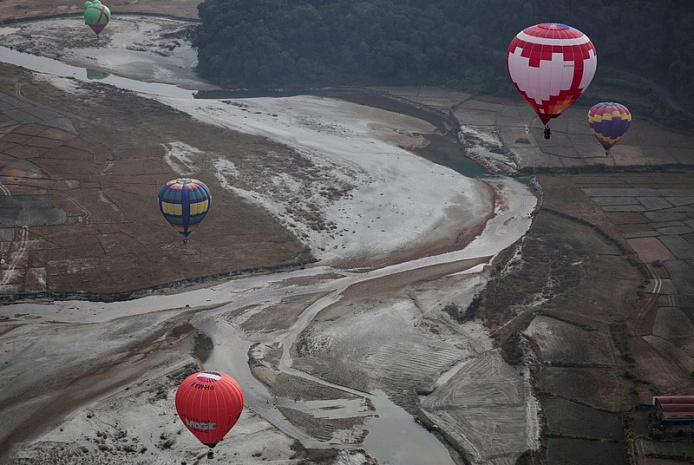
column 643, row 46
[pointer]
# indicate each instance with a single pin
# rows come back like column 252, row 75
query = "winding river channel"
column 393, row 435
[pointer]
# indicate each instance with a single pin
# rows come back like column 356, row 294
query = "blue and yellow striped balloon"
column 609, row 121
column 184, row 203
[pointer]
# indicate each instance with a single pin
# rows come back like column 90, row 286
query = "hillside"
column 460, row 44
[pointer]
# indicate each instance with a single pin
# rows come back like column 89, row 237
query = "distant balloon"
column 184, row 203
column 209, row 404
column 96, row 15
column 551, row 65
column 609, row 121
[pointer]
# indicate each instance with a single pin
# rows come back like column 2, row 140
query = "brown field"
column 101, row 248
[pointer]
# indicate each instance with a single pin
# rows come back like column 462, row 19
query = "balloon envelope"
column 609, row 121
column 96, row 15
column 209, row 404
column 184, row 203
column 551, row 65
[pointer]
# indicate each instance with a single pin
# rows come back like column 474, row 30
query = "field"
column 600, row 287
column 120, row 168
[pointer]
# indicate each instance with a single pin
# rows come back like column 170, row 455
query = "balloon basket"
column 210, row 455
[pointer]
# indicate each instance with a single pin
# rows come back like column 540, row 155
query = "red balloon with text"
column 209, row 404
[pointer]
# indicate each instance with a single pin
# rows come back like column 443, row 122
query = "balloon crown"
column 551, row 26
column 209, row 376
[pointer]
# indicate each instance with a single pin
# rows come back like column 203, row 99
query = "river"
column 394, row 437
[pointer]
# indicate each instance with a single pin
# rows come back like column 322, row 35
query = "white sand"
column 399, row 200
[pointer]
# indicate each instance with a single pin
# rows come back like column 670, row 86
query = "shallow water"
column 396, row 439
column 57, row 68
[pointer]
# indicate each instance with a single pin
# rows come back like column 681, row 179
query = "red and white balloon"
column 551, row 65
